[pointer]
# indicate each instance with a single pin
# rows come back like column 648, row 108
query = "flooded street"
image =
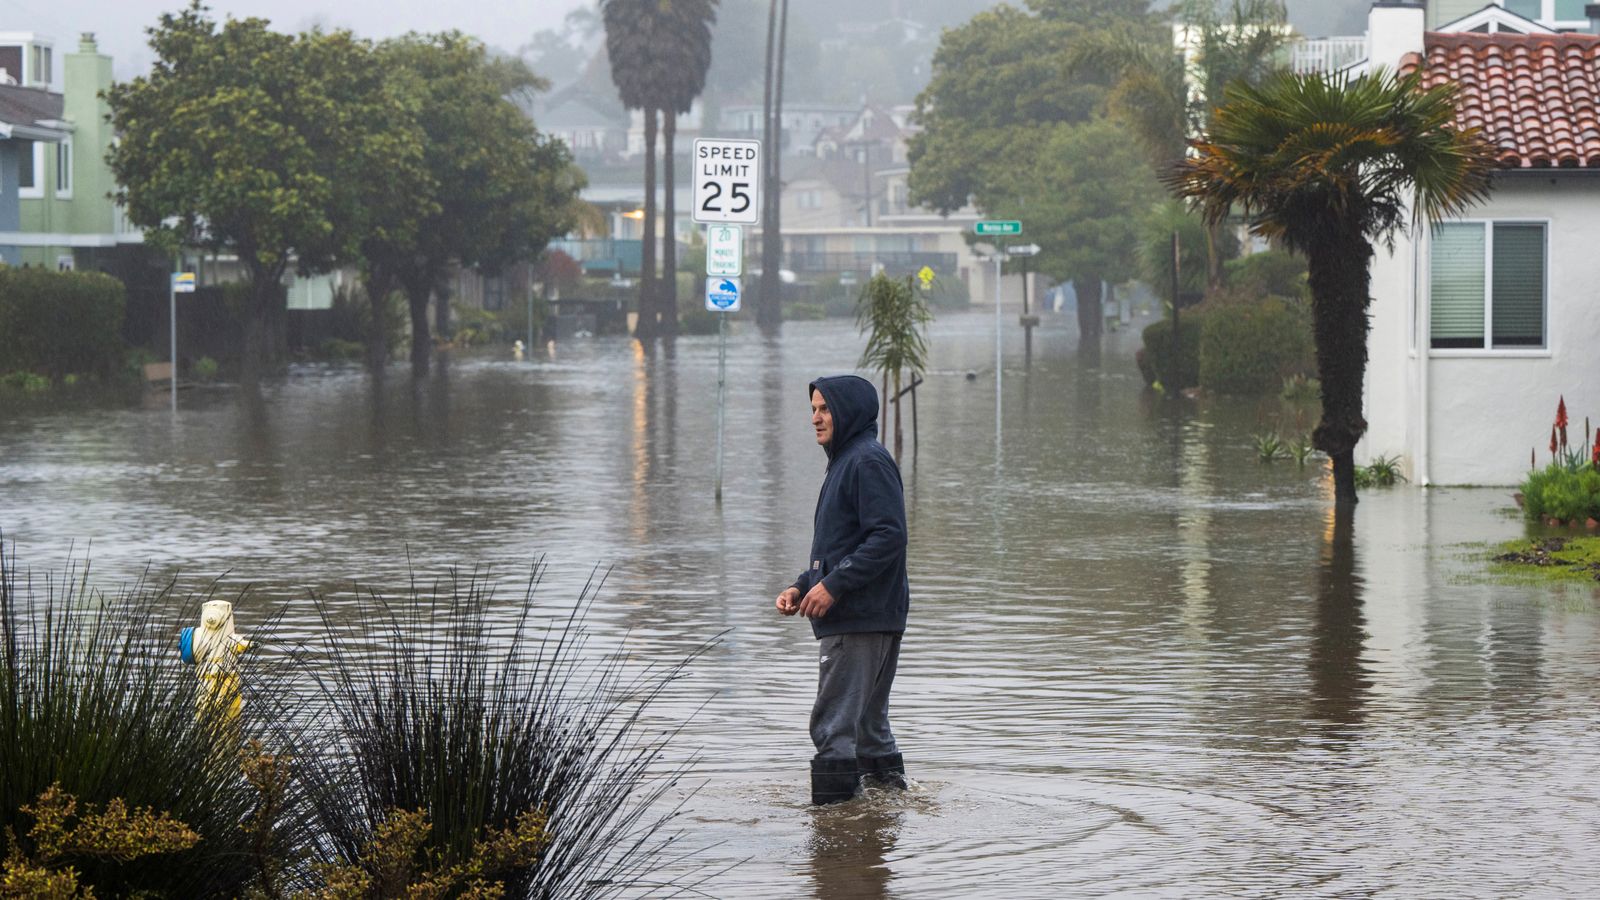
column 1139, row 662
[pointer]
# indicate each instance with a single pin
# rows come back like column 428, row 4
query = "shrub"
column 1155, row 359
column 805, row 312
column 56, row 323
column 205, row 369
column 96, row 705
column 479, row 728
column 1273, row 272
column 947, row 292
column 1559, row 492
column 1252, row 348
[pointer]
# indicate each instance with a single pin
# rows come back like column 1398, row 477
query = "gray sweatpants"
column 854, row 675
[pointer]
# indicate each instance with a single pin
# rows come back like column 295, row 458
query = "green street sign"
column 1005, row 227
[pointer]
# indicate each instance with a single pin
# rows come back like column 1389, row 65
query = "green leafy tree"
column 241, row 140
column 1082, row 200
column 1167, row 96
column 1328, row 165
column 493, row 192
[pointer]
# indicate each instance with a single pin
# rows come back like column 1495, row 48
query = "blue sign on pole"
column 722, row 294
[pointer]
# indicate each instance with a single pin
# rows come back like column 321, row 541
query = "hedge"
column 1155, row 360
column 60, row 323
column 1250, row 348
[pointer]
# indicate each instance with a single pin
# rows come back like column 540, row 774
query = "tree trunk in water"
column 417, row 291
column 883, row 412
column 899, row 437
column 441, row 313
column 668, row 294
column 646, row 328
column 1340, row 280
column 259, row 341
column 1091, row 316
column 379, row 286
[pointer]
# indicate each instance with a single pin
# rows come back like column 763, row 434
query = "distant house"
column 68, row 217
column 30, row 122
column 1479, row 324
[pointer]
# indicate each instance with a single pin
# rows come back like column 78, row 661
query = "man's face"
column 821, row 418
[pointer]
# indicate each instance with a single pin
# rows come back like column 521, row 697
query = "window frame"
column 34, row 191
column 64, row 169
column 1488, row 348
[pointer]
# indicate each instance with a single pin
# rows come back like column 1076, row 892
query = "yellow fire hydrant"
column 213, row 649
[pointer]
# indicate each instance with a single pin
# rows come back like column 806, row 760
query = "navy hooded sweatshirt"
column 858, row 543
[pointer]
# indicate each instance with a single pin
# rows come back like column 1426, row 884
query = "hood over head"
column 854, row 404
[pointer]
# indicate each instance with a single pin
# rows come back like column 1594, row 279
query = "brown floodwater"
column 1139, row 662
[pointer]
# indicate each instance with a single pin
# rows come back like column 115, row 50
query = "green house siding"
column 89, row 209
column 1441, row 12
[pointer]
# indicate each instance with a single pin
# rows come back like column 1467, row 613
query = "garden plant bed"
column 1561, row 558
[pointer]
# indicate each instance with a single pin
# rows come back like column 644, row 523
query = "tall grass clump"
column 97, row 706
column 447, row 707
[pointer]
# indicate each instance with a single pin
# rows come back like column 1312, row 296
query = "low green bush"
column 58, row 323
column 1156, row 361
column 1273, row 272
column 1560, row 492
column 1250, row 348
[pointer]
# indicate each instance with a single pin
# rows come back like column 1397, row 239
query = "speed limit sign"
column 727, row 181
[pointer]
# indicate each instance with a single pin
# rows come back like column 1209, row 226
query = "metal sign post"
column 727, row 196
column 723, row 293
column 1003, row 227
column 182, row 283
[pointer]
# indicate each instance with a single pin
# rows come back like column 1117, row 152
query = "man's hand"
column 817, row 602
column 789, row 601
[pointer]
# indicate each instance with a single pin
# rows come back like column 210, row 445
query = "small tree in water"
column 895, row 317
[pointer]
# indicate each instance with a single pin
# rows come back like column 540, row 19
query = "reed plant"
column 448, row 704
column 96, row 705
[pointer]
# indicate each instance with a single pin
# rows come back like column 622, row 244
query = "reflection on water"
column 1139, row 662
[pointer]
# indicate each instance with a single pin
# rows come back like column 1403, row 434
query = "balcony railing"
column 893, row 263
column 1326, row 55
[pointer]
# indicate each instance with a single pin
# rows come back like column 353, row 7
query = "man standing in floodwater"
column 855, row 593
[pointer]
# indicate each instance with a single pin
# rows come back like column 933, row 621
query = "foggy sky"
column 119, row 25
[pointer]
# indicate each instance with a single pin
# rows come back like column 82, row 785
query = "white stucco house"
column 1480, row 324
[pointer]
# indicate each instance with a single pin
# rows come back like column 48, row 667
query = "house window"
column 1528, row 9
column 1488, row 285
column 41, row 66
column 64, row 169
column 1570, row 10
column 494, row 293
column 30, row 165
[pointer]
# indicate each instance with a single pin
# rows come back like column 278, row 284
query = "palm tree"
column 634, row 45
column 1328, row 165
column 895, row 318
column 689, row 48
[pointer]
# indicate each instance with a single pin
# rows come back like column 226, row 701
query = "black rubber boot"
column 883, row 771
column 833, row 780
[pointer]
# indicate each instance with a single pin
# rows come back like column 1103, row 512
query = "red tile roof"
column 1535, row 96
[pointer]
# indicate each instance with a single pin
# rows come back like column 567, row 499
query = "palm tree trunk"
column 883, row 421
column 769, row 315
column 646, row 328
column 667, row 296
column 1340, row 279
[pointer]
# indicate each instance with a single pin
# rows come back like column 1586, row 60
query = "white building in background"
column 1480, row 324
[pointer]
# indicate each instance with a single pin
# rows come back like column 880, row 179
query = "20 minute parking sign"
column 727, row 181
